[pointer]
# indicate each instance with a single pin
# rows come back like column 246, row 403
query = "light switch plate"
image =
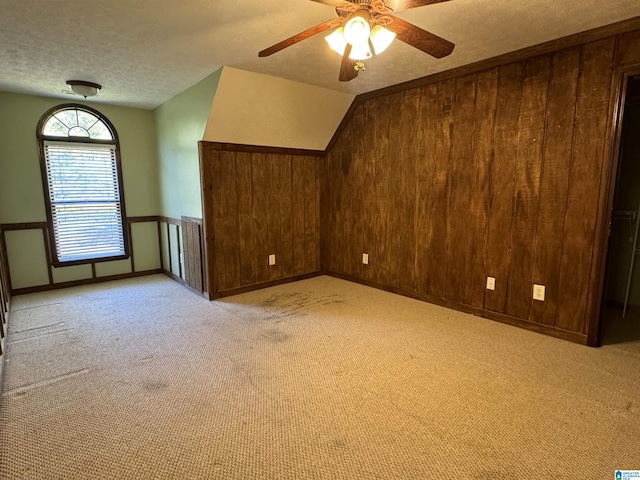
column 272, row 259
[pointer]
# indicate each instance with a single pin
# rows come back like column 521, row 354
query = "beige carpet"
column 321, row 379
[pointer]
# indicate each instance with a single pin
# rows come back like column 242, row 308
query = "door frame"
column 617, row 103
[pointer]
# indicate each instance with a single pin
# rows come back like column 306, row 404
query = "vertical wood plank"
column 440, row 211
column 584, row 183
column 460, row 188
column 246, row 224
column 195, row 257
column 409, row 148
column 377, row 115
column 298, row 200
column 179, row 248
column 324, row 205
column 369, row 199
column 187, row 251
column 334, row 234
column 228, row 221
column 217, row 258
column 318, row 164
column 203, row 259
column 260, row 178
column 480, row 186
column 353, row 171
column 395, row 189
column 286, row 215
column 274, row 236
column 527, row 185
column 192, row 254
column 311, row 239
column 425, row 166
column 381, row 254
column 505, row 146
column 561, row 106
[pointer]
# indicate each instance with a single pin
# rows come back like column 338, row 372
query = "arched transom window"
column 82, row 178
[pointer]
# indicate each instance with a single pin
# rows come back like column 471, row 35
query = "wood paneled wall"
column 500, row 173
column 504, row 172
column 194, row 266
column 255, row 205
column 181, row 242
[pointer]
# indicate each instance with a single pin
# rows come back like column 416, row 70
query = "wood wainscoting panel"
column 192, row 243
column 258, row 204
column 5, row 294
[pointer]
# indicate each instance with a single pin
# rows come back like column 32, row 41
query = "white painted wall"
column 255, row 109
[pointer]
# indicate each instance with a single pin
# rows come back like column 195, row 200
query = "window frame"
column 42, row 138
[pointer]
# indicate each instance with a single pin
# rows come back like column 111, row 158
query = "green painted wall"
column 180, row 124
column 21, row 196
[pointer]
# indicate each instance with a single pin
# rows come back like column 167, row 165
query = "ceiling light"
column 84, row 89
column 381, row 38
column 360, row 52
column 336, row 41
column 356, row 31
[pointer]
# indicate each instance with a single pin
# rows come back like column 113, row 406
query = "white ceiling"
column 144, row 52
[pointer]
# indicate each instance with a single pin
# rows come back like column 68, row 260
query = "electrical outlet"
column 538, row 292
column 365, row 258
column 491, row 283
column 272, row 259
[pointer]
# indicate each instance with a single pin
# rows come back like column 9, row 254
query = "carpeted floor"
column 320, row 379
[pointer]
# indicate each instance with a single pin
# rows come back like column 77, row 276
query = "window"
column 80, row 161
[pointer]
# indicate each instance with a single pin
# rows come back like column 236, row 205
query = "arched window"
column 82, row 178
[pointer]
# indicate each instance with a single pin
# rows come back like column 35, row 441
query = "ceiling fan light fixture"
column 336, row 41
column 84, row 89
column 360, row 52
column 356, row 31
column 381, row 38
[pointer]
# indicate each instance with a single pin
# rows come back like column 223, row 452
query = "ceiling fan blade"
column 421, row 39
column 334, row 22
column 399, row 5
column 347, row 66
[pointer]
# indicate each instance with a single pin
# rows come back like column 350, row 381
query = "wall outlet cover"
column 491, row 283
column 272, row 259
column 538, row 292
column 365, row 258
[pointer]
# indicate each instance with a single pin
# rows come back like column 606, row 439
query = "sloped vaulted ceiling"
column 255, row 109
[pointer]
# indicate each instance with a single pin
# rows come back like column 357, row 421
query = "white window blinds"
column 85, row 200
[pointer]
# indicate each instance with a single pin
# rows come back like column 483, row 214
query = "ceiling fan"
column 367, row 27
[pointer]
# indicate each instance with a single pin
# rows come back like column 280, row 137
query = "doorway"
column 621, row 297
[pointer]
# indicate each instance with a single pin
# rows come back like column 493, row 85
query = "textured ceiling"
column 146, row 51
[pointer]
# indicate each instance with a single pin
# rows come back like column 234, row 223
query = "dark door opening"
column 621, row 297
